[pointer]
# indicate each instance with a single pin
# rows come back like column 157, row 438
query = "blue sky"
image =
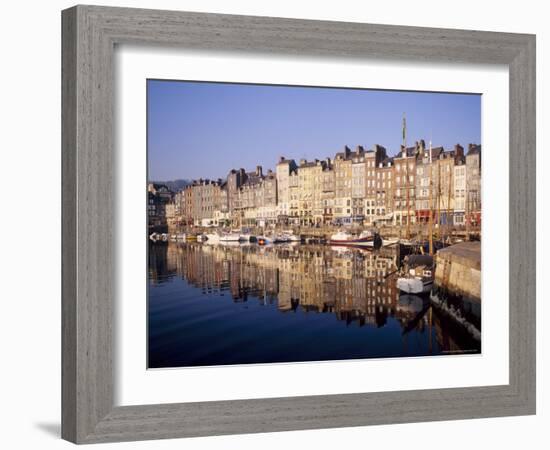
column 202, row 130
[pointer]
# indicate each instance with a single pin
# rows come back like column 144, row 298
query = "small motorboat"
column 419, row 275
column 283, row 239
column 230, row 237
column 212, row 238
column 290, row 236
column 365, row 238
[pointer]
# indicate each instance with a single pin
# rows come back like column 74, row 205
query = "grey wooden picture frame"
column 89, row 37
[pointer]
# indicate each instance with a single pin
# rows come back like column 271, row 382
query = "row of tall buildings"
column 360, row 186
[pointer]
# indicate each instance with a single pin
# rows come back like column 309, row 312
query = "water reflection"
column 212, row 305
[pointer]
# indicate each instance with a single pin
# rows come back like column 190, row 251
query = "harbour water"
column 244, row 304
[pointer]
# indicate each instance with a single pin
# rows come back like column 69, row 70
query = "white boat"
column 212, row 238
column 230, row 237
column 285, row 238
column 419, row 275
column 385, row 242
column 414, row 285
column 291, row 236
column 201, row 238
column 281, row 239
column 346, row 238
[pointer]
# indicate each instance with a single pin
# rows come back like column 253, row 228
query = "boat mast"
column 450, row 174
column 439, row 234
column 430, row 224
column 407, row 174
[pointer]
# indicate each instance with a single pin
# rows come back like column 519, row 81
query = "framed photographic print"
column 268, row 222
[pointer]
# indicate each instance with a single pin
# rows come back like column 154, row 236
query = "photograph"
column 290, row 224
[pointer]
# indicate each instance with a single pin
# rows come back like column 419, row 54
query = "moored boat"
column 230, row 237
column 212, row 238
column 419, row 275
column 285, row 238
column 346, row 238
column 290, row 236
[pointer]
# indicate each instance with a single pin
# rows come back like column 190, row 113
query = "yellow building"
column 309, row 174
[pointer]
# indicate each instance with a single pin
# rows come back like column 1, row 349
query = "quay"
column 458, row 270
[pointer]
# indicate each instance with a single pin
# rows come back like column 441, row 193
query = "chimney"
column 359, row 149
column 459, row 150
column 281, row 159
column 347, row 151
column 303, row 161
column 379, row 153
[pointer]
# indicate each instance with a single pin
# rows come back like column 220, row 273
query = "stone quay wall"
column 458, row 269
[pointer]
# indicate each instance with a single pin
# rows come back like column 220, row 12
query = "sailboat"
column 419, row 275
column 419, row 271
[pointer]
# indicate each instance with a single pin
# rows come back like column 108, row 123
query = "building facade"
column 283, row 170
column 473, row 186
column 342, row 185
column 359, row 187
column 405, row 186
column 460, row 191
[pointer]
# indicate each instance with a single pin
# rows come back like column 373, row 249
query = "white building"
column 459, row 193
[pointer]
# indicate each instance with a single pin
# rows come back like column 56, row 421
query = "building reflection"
column 357, row 286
